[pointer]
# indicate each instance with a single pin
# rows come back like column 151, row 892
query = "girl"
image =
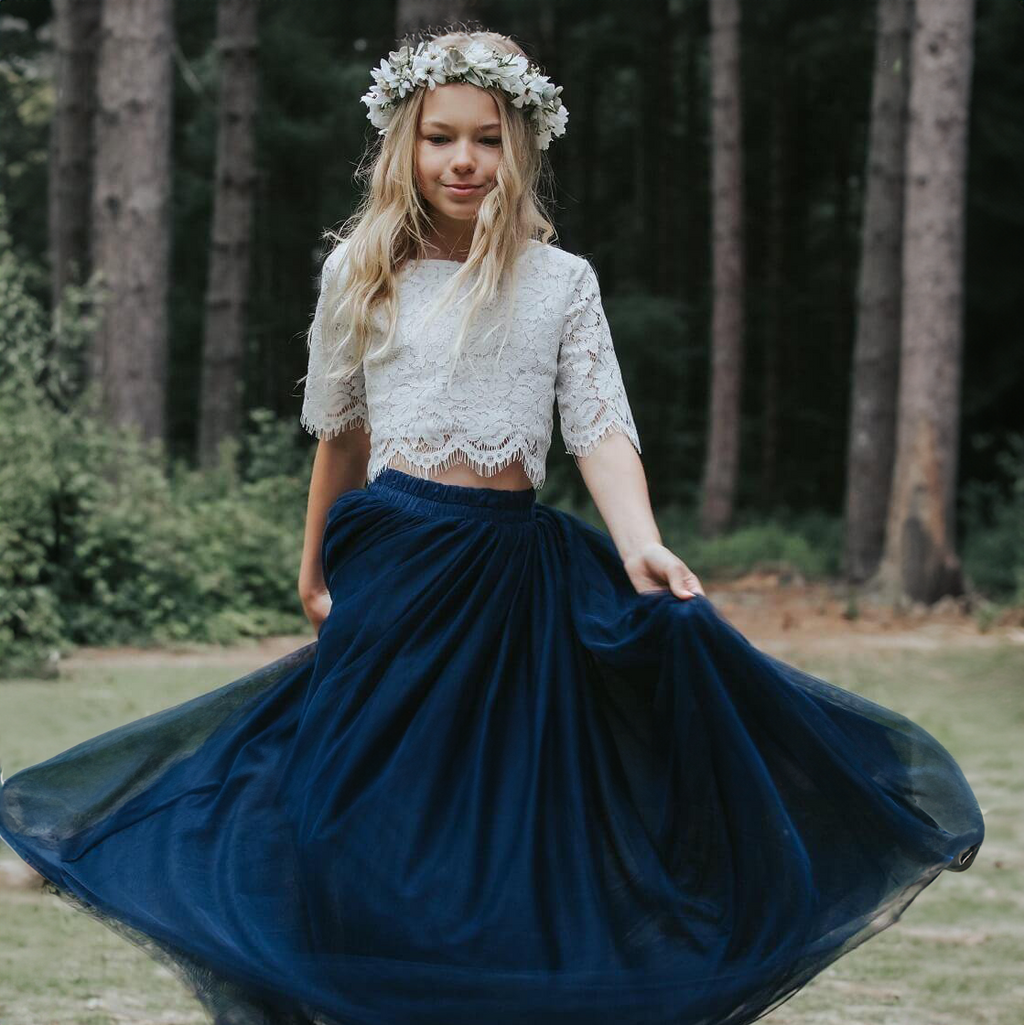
column 526, row 772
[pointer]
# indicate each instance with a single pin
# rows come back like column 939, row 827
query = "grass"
column 954, row 957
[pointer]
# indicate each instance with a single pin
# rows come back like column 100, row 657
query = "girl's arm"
column 615, row 478
column 335, row 411
column 340, row 465
column 599, row 430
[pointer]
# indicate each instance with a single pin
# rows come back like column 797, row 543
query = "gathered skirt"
column 500, row 787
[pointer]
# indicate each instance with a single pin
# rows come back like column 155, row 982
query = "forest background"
column 736, row 172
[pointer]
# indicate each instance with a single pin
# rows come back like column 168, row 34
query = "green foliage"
column 101, row 546
column 993, row 520
column 807, row 545
column 663, row 359
column 99, row 542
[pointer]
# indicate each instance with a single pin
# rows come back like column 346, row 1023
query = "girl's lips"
column 460, row 190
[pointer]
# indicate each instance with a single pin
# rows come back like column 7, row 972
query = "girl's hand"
column 656, row 568
column 316, row 605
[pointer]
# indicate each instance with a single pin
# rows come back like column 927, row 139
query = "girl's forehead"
column 458, row 102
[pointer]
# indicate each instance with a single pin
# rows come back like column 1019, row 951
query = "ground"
column 954, row 957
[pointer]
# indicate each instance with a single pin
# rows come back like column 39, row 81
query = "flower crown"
column 431, row 65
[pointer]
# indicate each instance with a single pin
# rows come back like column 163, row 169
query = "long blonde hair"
column 387, row 229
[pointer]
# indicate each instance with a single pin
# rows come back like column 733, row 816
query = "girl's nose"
column 463, row 158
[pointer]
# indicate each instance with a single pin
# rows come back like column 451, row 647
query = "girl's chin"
column 453, row 199
column 457, row 208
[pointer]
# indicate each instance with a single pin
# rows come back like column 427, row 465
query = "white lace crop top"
column 559, row 351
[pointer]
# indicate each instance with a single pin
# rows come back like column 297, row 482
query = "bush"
column 101, row 546
column 100, row 541
column 806, row 545
column 993, row 515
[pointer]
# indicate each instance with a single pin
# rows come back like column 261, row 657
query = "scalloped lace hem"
column 339, row 423
column 485, row 463
column 582, row 444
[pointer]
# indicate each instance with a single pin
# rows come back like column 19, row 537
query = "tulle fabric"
column 503, row 787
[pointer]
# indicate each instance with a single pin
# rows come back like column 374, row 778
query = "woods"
column 804, row 221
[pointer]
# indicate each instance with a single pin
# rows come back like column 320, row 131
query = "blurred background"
column 806, row 219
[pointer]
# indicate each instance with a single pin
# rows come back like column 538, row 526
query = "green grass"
column 954, row 957
column 956, row 954
column 57, row 966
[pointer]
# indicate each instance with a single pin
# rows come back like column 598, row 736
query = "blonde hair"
column 387, row 229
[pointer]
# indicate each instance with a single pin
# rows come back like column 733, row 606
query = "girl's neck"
column 443, row 246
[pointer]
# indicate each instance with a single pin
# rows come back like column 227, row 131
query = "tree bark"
column 920, row 561
column 777, row 254
column 722, row 454
column 131, row 228
column 220, row 404
column 872, row 426
column 76, row 34
column 690, row 156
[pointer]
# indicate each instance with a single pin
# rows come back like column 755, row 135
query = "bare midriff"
column 509, row 478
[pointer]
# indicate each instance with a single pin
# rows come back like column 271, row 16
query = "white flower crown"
column 431, row 65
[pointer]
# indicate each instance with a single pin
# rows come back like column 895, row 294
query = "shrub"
column 993, row 518
column 100, row 541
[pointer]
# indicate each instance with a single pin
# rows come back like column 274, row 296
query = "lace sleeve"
column 330, row 406
column 588, row 387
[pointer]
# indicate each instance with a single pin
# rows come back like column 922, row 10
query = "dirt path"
column 813, row 617
column 772, row 612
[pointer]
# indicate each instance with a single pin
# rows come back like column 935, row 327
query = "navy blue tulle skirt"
column 500, row 787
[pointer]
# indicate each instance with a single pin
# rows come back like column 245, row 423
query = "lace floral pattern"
column 330, row 407
column 589, row 389
column 500, row 405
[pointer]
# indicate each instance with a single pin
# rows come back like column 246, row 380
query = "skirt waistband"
column 434, row 497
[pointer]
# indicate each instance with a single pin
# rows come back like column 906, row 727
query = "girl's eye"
column 491, row 139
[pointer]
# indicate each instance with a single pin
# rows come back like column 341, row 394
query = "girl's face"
column 458, row 143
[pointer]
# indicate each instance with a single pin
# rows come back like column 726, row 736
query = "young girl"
column 527, row 772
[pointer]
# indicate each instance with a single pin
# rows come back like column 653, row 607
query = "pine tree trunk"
column 220, row 405
column 722, row 454
column 777, row 254
column 920, row 560
column 76, row 35
column 872, row 426
column 131, row 227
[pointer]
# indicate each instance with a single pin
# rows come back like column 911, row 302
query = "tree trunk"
column 220, row 406
column 722, row 454
column 872, row 427
column 688, row 157
column 76, row 34
column 776, row 275
column 920, row 561
column 131, row 210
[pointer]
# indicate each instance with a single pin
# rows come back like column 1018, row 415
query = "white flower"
column 401, row 56
column 430, row 65
column 482, row 58
column 456, row 62
column 429, row 68
column 509, row 77
column 558, row 119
